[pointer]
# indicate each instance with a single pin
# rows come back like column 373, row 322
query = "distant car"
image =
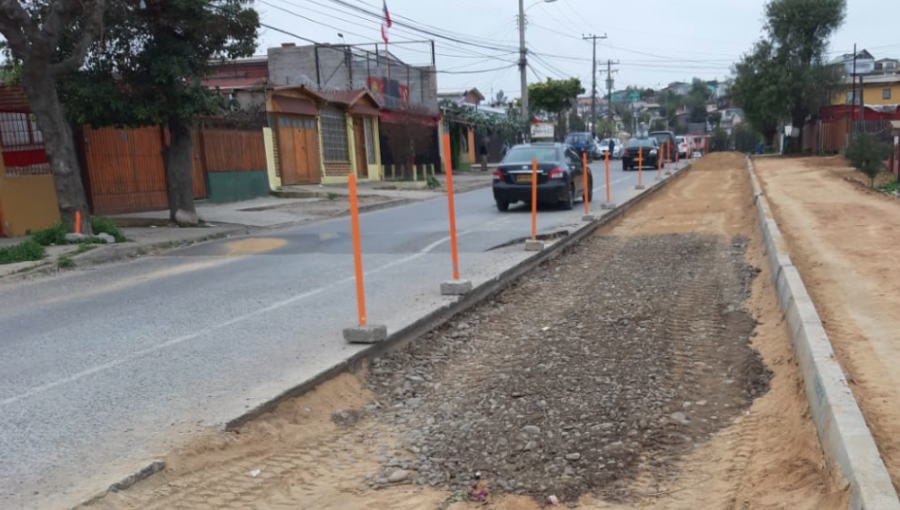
column 683, row 147
column 666, row 140
column 560, row 178
column 580, row 143
column 644, row 149
column 596, row 152
column 604, row 148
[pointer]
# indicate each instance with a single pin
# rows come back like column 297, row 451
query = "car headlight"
column 653, row 152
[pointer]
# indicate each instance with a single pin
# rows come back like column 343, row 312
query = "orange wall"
column 26, row 203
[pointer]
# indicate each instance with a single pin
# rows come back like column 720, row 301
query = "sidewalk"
column 414, row 190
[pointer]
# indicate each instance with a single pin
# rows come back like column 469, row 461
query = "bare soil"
column 649, row 367
column 844, row 240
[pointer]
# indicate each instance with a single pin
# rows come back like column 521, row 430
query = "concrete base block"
column 588, row 217
column 640, row 186
column 534, row 245
column 365, row 334
column 668, row 172
column 608, row 205
column 456, row 287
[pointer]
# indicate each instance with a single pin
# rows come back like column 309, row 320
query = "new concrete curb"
column 415, row 330
column 843, row 433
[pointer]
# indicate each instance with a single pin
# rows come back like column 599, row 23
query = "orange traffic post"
column 77, row 222
column 659, row 163
column 533, row 244
column 608, row 204
column 455, row 287
column 669, row 158
column 362, row 333
column 640, row 184
column 676, row 159
column 586, row 180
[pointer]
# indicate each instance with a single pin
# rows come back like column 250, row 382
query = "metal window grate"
column 334, row 136
column 370, row 140
column 19, row 132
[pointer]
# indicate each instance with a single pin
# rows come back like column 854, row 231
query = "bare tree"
column 34, row 31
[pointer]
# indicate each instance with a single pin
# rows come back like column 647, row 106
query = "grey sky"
column 655, row 41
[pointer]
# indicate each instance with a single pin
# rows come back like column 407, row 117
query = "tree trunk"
column 177, row 158
column 60, row 147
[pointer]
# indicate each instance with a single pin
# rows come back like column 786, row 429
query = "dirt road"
column 844, row 242
column 649, row 367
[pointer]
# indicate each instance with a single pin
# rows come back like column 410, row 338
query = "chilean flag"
column 386, row 24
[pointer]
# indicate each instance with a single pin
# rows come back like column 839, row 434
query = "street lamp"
column 523, row 58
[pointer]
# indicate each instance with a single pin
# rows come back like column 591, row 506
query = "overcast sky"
column 654, row 41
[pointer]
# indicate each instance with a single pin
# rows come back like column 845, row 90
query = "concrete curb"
column 415, row 330
column 843, row 433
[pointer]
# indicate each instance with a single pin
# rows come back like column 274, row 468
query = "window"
column 19, row 131
column 334, row 136
column 370, row 140
column 886, row 94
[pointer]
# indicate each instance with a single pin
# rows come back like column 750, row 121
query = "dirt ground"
column 647, row 368
column 844, row 240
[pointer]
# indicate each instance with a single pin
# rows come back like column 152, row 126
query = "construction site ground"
column 844, row 239
column 648, row 367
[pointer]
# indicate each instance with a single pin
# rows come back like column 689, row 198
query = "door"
column 298, row 150
column 359, row 139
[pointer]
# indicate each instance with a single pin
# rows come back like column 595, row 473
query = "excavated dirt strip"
column 649, row 367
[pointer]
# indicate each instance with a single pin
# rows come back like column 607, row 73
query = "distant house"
column 679, row 88
column 876, row 90
column 471, row 96
column 865, row 63
column 887, row 66
column 243, row 81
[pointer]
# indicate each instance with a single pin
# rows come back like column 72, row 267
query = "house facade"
column 875, row 90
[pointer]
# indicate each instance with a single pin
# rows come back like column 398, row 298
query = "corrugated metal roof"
column 13, row 99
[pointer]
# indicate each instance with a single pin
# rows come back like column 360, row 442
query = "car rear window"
column 579, row 139
column 526, row 154
column 640, row 142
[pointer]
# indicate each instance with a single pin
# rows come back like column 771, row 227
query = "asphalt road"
column 105, row 369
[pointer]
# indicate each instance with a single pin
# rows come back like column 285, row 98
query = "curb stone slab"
column 843, row 433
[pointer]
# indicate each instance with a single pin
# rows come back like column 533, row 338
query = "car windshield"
column 679, row 139
column 526, row 154
column 605, row 142
column 579, row 138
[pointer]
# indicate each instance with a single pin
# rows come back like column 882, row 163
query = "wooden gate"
column 298, row 150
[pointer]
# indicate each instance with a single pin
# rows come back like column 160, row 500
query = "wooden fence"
column 124, row 172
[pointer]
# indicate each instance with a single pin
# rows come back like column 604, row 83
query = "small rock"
column 107, row 238
column 532, row 429
column 413, row 402
column 679, row 418
column 573, row 456
column 398, row 476
column 75, row 238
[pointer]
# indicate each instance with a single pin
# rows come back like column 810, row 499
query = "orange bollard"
column 669, row 158
column 357, row 250
column 608, row 198
column 585, row 181
column 640, row 184
column 659, row 160
column 77, row 222
column 449, row 166
column 534, row 199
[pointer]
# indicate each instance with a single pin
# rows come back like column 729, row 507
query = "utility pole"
column 853, row 105
column 594, row 81
column 609, row 87
column 523, row 62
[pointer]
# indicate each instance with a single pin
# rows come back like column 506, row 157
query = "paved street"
column 107, row 368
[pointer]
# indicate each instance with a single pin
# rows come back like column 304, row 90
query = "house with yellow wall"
column 875, row 90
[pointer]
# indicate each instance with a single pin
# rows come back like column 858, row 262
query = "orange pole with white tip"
column 659, row 160
column 534, row 199
column 448, row 165
column 668, row 158
column 357, row 250
column 77, row 222
column 585, row 181
column 608, row 198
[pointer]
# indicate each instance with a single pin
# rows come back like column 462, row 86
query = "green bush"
column 867, row 155
column 745, row 139
column 22, row 252
column 53, row 235
column 101, row 225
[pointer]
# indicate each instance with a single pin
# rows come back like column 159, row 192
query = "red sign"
column 376, row 87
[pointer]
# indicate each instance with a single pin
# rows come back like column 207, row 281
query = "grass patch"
column 23, row 252
column 433, row 183
column 86, row 247
column 331, row 196
column 55, row 235
column 65, row 262
column 889, row 187
column 101, row 225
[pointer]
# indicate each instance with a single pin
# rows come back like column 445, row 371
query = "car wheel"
column 569, row 200
column 502, row 205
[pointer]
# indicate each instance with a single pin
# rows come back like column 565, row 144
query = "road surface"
column 106, row 369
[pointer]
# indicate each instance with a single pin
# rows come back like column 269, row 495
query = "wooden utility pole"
column 594, row 82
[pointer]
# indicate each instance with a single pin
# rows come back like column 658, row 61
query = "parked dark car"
column 581, row 143
column 560, row 179
column 645, row 149
column 663, row 138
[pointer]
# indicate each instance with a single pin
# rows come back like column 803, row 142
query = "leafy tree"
column 555, row 96
column 46, row 41
column 147, row 70
column 789, row 64
column 500, row 99
column 714, row 118
column 576, row 123
column 760, row 88
column 867, row 155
